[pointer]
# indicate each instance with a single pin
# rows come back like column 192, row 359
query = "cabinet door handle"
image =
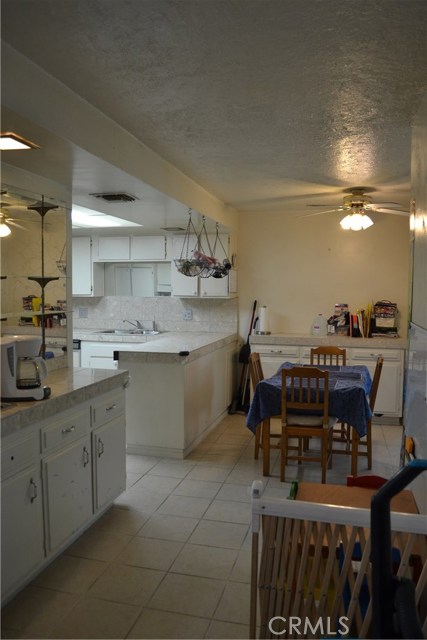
column 69, row 429
column 111, row 407
column 86, row 457
column 33, row 490
column 100, row 447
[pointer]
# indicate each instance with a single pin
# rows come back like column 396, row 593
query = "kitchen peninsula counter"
column 333, row 339
column 69, row 387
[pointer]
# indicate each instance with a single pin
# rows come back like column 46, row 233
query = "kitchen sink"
column 130, row 332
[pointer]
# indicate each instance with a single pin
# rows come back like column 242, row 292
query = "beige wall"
column 299, row 267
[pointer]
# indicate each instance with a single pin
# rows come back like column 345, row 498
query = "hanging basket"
column 197, row 262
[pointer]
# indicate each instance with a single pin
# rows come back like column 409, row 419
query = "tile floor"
column 171, row 558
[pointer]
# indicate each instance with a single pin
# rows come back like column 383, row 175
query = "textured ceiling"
column 268, row 104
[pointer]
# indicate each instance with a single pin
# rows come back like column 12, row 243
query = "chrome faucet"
column 136, row 324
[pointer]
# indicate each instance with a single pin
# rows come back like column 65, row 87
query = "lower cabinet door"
column 22, row 536
column 68, row 492
column 109, row 461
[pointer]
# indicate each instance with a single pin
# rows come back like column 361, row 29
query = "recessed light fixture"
column 83, row 217
column 10, row 141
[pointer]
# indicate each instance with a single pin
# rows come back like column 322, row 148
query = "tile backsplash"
column 167, row 312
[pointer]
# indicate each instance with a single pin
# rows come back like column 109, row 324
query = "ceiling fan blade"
column 14, row 224
column 387, row 204
column 319, row 213
column 396, row 212
column 320, row 205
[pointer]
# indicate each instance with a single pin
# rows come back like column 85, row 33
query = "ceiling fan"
column 357, row 204
column 6, row 222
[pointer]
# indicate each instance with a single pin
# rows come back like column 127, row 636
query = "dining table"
column 348, row 395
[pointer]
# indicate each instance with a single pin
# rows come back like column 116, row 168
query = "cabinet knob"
column 86, row 457
column 100, row 447
column 111, row 407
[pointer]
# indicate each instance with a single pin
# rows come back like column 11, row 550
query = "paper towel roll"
column 263, row 320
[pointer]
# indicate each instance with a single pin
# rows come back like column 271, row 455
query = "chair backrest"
column 255, row 369
column 328, row 355
column 375, row 382
column 305, row 389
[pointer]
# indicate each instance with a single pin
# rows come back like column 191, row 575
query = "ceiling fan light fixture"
column 4, row 230
column 356, row 222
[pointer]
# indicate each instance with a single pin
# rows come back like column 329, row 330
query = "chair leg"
column 257, row 441
column 369, row 443
column 283, row 454
column 354, row 451
column 265, row 434
column 324, row 454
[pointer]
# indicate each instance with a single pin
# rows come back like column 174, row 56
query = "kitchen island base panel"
column 172, row 406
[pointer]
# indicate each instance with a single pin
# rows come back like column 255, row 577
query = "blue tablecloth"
column 348, row 390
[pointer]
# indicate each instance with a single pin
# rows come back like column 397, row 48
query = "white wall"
column 299, row 267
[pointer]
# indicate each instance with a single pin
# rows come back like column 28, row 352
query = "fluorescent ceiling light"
column 83, row 217
column 356, row 222
column 10, row 141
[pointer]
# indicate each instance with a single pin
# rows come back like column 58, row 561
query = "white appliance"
column 22, row 370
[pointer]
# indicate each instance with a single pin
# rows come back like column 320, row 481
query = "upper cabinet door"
column 148, row 248
column 114, row 248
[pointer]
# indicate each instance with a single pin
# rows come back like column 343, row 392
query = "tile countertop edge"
column 69, row 388
column 335, row 340
column 180, row 349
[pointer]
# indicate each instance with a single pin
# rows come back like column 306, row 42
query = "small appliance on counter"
column 22, row 370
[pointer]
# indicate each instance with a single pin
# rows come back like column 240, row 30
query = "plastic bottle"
column 319, row 326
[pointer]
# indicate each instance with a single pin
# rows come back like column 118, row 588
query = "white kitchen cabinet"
column 148, row 248
column 87, row 276
column 108, row 437
column 68, row 492
column 273, row 356
column 112, row 248
column 99, row 355
column 390, row 390
column 22, row 534
column 109, row 478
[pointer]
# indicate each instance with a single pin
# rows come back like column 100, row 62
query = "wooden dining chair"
column 256, row 373
column 328, row 355
column 366, row 440
column 305, row 403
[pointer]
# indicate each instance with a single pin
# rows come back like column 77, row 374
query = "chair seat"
column 301, row 420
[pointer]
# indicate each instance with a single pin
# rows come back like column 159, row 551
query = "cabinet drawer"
column 291, row 351
column 18, row 455
column 71, row 426
column 389, row 355
column 107, row 408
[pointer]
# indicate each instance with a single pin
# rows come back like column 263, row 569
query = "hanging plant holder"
column 198, row 262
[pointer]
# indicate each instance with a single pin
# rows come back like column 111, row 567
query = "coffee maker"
column 22, row 370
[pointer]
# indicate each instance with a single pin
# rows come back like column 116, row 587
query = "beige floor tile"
column 124, row 583
column 150, row 553
column 140, row 464
column 234, row 603
column 131, row 478
column 99, row 545
column 141, row 500
column 221, row 459
column 208, row 473
column 157, row 484
column 228, row 511
column 171, row 468
column 35, row 610
column 218, row 629
column 71, row 574
column 162, row 624
column 197, row 488
column 237, row 492
column 166, row 527
column 211, row 562
column 188, row 594
column 121, row 520
column 219, row 534
column 241, row 571
column 95, row 618
column 179, row 505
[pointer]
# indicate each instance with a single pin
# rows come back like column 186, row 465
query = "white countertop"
column 335, row 340
column 68, row 388
column 166, row 347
